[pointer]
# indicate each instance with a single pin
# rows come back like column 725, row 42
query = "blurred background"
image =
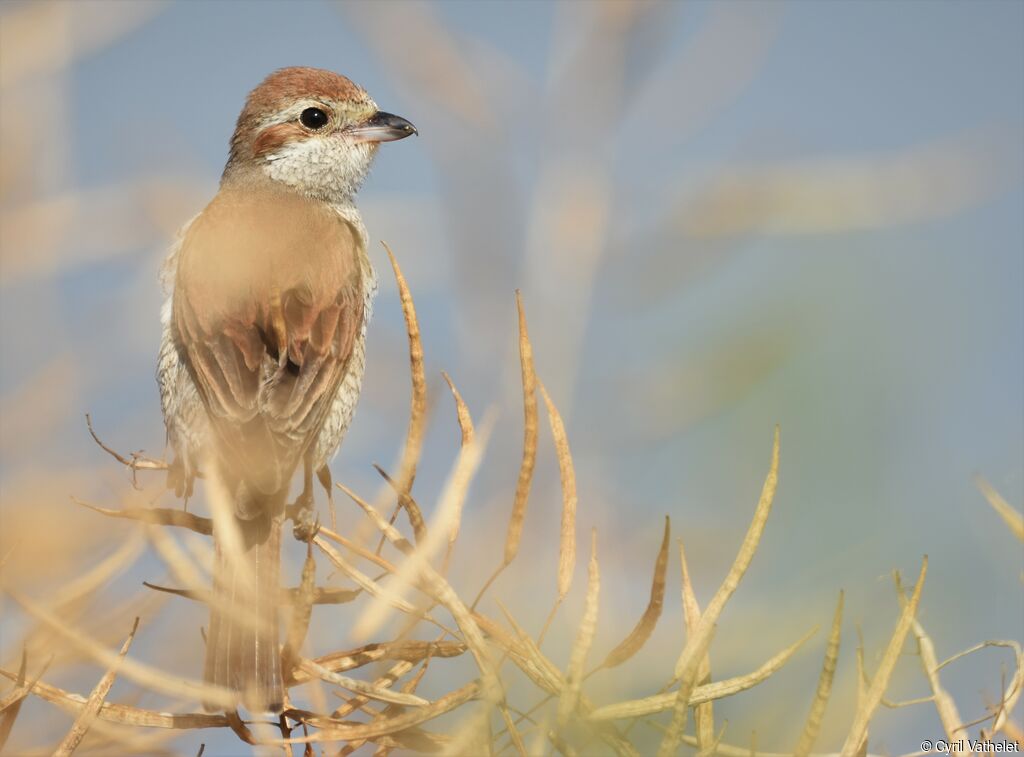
column 721, row 216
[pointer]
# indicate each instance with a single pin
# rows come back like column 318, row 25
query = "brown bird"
column 269, row 291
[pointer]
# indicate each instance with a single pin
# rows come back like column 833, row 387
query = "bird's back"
column 268, row 303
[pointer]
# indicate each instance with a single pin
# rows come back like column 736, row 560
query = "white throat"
column 329, row 168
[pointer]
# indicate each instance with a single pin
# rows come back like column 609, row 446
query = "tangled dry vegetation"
column 386, row 713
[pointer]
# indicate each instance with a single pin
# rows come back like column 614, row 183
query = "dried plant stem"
column 1013, row 519
column 548, row 621
column 952, row 723
column 383, row 593
column 387, row 680
column 95, row 701
column 405, row 501
column 513, row 732
column 704, row 713
column 828, row 670
column 569, row 699
column 341, row 731
column 396, row 672
column 302, row 613
column 138, row 460
column 700, row 694
column 157, row 515
column 141, row 673
column 21, row 689
column 449, row 509
column 439, row 588
column 10, row 704
column 944, row 704
column 487, row 585
column 361, row 687
column 125, row 714
column 404, row 651
column 688, row 664
column 321, row 595
column 1014, row 688
column 857, row 735
column 353, row 546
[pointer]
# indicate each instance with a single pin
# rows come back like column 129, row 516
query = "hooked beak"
column 382, row 127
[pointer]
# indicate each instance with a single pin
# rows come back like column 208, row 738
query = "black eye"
column 313, row 118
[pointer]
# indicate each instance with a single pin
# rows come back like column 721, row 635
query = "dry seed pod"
column 821, row 697
column 567, row 472
column 645, row 626
column 515, row 525
column 584, row 638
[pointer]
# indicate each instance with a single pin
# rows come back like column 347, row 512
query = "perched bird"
column 268, row 294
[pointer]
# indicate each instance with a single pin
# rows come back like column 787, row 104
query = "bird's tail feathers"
column 242, row 646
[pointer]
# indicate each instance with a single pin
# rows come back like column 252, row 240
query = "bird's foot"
column 305, row 522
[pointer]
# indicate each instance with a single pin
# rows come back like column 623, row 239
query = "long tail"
column 242, row 649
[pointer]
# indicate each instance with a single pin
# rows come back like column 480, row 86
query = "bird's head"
column 312, row 130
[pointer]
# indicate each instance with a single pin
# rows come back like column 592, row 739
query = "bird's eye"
column 313, row 118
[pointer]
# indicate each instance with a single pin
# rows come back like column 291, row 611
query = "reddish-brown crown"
column 287, row 84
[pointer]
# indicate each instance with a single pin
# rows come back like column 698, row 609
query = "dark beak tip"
column 385, row 127
column 405, row 126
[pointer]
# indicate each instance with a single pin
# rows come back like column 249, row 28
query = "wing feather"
column 267, row 307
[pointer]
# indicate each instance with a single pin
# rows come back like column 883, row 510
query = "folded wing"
column 267, row 305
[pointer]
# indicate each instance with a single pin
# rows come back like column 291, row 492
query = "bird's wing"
column 268, row 303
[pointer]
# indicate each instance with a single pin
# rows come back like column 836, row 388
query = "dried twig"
column 1014, row 688
column 137, row 460
column 122, row 713
column 162, row 516
column 95, row 701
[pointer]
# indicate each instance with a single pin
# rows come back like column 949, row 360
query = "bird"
column 268, row 292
